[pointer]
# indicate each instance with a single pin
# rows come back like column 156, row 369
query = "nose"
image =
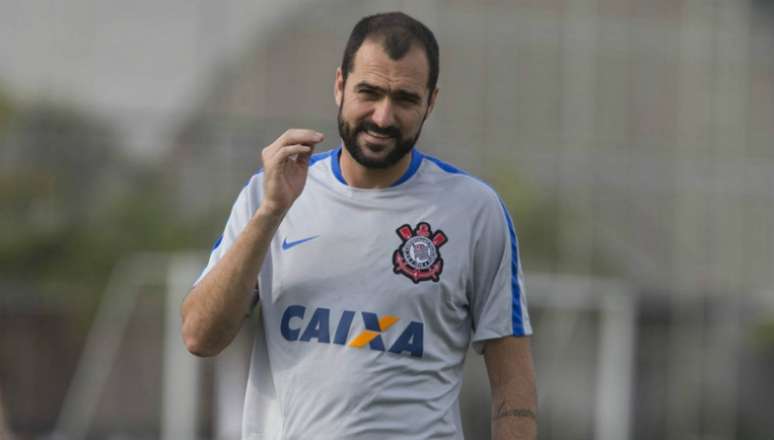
column 383, row 114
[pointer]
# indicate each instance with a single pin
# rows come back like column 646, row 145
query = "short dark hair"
column 398, row 32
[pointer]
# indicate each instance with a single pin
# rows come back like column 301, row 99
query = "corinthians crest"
column 418, row 257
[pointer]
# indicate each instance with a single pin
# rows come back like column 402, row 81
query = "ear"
column 338, row 87
column 431, row 104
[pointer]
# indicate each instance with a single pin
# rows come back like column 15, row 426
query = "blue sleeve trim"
column 217, row 242
column 516, row 291
column 518, row 319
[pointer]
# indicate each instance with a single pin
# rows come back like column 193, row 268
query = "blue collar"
column 416, row 161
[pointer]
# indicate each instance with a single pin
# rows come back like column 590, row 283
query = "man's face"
column 383, row 104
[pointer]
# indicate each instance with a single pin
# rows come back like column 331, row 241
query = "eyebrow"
column 400, row 93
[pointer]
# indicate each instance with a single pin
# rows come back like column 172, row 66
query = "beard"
column 402, row 145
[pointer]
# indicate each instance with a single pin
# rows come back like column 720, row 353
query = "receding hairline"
column 380, row 40
column 400, row 32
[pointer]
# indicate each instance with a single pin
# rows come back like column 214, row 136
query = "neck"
column 359, row 176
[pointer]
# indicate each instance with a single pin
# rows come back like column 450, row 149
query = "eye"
column 368, row 94
column 406, row 101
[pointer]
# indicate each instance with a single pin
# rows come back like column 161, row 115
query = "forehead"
column 374, row 66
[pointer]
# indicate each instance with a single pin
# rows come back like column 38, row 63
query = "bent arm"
column 214, row 309
column 512, row 379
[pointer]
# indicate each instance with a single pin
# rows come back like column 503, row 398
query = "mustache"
column 391, row 131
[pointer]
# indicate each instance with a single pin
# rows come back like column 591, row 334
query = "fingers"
column 291, row 150
column 292, row 137
column 300, row 136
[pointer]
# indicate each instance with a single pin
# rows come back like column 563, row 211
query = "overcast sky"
column 141, row 62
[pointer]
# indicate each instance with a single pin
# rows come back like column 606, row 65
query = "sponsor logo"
column 289, row 244
column 295, row 327
column 418, row 256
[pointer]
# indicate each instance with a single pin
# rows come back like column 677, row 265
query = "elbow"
column 196, row 343
column 198, row 349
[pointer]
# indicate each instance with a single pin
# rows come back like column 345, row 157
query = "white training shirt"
column 369, row 299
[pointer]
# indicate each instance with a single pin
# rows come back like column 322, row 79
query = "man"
column 374, row 267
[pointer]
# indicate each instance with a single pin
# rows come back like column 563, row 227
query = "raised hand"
column 285, row 167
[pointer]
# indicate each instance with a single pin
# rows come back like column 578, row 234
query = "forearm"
column 514, row 417
column 215, row 308
column 217, row 305
column 514, row 397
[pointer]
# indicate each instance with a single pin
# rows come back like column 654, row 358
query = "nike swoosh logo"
column 289, row 244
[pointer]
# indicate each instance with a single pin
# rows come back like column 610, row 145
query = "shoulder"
column 321, row 165
column 460, row 184
column 317, row 158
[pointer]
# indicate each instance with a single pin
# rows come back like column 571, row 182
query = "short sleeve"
column 498, row 301
column 244, row 207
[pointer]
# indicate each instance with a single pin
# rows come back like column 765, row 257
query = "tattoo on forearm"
column 503, row 411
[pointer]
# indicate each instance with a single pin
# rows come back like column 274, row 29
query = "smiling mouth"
column 377, row 135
